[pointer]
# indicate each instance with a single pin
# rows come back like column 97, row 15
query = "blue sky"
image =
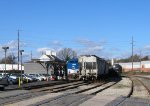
column 101, row 27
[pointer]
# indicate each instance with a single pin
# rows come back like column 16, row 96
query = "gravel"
column 122, row 88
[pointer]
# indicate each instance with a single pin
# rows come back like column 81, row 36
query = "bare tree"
column 9, row 59
column 66, row 54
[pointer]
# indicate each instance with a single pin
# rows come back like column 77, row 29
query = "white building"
column 39, row 66
column 143, row 66
column 10, row 67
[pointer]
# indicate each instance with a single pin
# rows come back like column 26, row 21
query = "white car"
column 38, row 77
column 42, row 76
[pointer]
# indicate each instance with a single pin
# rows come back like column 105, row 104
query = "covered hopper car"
column 91, row 67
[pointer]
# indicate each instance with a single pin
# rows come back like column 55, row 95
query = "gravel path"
column 122, row 88
column 12, row 93
column 35, row 100
column 139, row 91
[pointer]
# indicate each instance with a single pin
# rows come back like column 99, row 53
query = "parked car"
column 47, row 76
column 4, row 80
column 14, row 78
column 36, row 76
column 27, row 78
column 42, row 76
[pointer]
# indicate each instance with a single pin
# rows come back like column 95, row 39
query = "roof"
column 93, row 56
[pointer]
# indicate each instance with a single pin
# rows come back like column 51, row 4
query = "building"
column 143, row 66
column 11, row 68
column 45, row 64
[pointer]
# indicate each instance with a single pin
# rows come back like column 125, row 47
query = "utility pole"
column 21, row 65
column 132, row 52
column 31, row 55
column 18, row 49
column 140, row 60
column 12, row 60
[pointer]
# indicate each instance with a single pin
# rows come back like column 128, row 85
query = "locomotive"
column 72, row 68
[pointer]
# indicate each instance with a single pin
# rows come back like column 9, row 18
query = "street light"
column 21, row 63
column 5, row 49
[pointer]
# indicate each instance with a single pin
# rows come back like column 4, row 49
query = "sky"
column 101, row 27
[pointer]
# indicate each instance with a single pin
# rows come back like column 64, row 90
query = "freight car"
column 91, row 67
column 115, row 70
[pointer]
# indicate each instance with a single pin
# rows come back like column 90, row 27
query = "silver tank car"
column 92, row 67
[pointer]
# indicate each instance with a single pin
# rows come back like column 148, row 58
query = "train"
column 91, row 67
column 72, row 68
column 115, row 70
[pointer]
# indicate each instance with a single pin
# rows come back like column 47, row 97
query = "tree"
column 136, row 58
column 145, row 58
column 66, row 54
column 10, row 59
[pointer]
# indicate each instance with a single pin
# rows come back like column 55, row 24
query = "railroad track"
column 39, row 92
column 75, row 98
column 146, row 87
column 137, row 87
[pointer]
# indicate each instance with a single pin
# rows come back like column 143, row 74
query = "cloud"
column 39, row 50
column 147, row 47
column 13, row 49
column 56, row 43
column 89, row 43
column 44, row 49
column 13, row 45
column 89, row 47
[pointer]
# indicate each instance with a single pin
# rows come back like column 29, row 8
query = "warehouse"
column 11, row 68
column 143, row 66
